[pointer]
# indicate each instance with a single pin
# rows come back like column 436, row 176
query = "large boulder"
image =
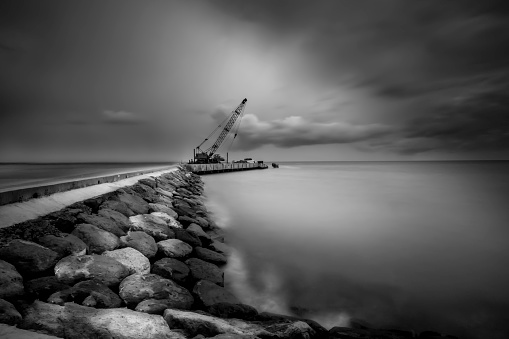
column 164, row 200
column 219, row 247
column 73, row 269
column 8, row 313
column 145, row 191
column 140, row 241
column 97, row 240
column 162, row 208
column 151, row 182
column 164, row 192
column 133, row 259
column 202, row 222
column 64, row 246
column 28, row 257
column 157, row 306
column 187, row 237
column 195, row 323
column 91, row 293
column 202, row 270
column 138, row 287
column 42, row 288
column 135, row 203
column 210, row 256
column 121, row 220
column 11, row 282
column 199, row 232
column 170, row 221
column 118, row 206
column 74, row 321
column 174, row 248
column 171, row 268
column 151, row 225
column 103, row 223
column 207, row 294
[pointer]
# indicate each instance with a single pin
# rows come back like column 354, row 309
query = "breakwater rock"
column 145, row 261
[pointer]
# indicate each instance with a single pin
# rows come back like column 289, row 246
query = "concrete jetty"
column 223, row 167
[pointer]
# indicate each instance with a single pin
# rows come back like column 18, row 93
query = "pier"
column 223, row 167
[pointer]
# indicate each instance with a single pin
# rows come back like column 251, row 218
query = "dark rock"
column 97, row 240
column 91, row 293
column 151, row 225
column 131, row 258
column 217, row 246
column 346, row 332
column 202, row 270
column 8, row 313
column 187, row 237
column 28, row 257
column 64, row 246
column 117, row 206
column 140, row 241
column 202, row 222
column 77, row 322
column 135, row 203
column 200, row 233
column 94, row 203
column 170, row 268
column 174, row 248
column 138, row 287
column 184, row 219
column 42, row 288
column 228, row 310
column 207, row 294
column 146, row 192
column 164, row 192
column 11, row 282
column 164, row 200
column 272, row 317
column 210, row 256
column 73, row 269
column 121, row 220
column 64, row 222
column 162, row 208
column 157, row 306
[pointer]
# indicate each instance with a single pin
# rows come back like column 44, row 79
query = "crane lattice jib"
column 238, row 111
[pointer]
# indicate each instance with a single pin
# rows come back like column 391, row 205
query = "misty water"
column 421, row 245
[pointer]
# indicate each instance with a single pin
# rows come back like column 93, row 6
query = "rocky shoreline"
column 145, row 261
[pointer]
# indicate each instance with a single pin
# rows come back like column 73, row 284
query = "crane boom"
column 204, row 156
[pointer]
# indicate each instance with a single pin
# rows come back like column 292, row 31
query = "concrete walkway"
column 12, row 214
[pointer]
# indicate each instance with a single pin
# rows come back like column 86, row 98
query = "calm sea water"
column 422, row 245
column 29, row 175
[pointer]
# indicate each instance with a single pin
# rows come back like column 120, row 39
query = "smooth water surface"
column 422, row 245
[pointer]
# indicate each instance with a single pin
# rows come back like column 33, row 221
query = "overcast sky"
column 325, row 80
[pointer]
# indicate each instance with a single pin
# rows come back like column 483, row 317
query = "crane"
column 205, row 156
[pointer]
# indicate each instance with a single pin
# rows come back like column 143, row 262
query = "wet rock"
column 121, row 220
column 73, row 269
column 174, row 248
column 64, row 246
column 146, row 192
column 8, row 313
column 268, row 317
column 117, row 206
column 97, row 240
column 131, row 258
column 293, row 330
column 208, row 294
column 184, row 219
column 138, row 287
column 42, row 288
column 170, row 268
column 140, row 241
column 210, row 256
column 90, row 293
column 11, row 282
column 200, row 233
column 187, row 237
column 151, row 225
column 228, row 310
column 135, row 203
column 195, row 323
column 157, row 306
column 202, row 270
column 217, row 246
column 28, row 257
column 76, row 322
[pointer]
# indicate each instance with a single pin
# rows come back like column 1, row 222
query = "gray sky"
column 325, row 80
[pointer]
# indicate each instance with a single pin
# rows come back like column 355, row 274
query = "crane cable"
column 214, row 131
